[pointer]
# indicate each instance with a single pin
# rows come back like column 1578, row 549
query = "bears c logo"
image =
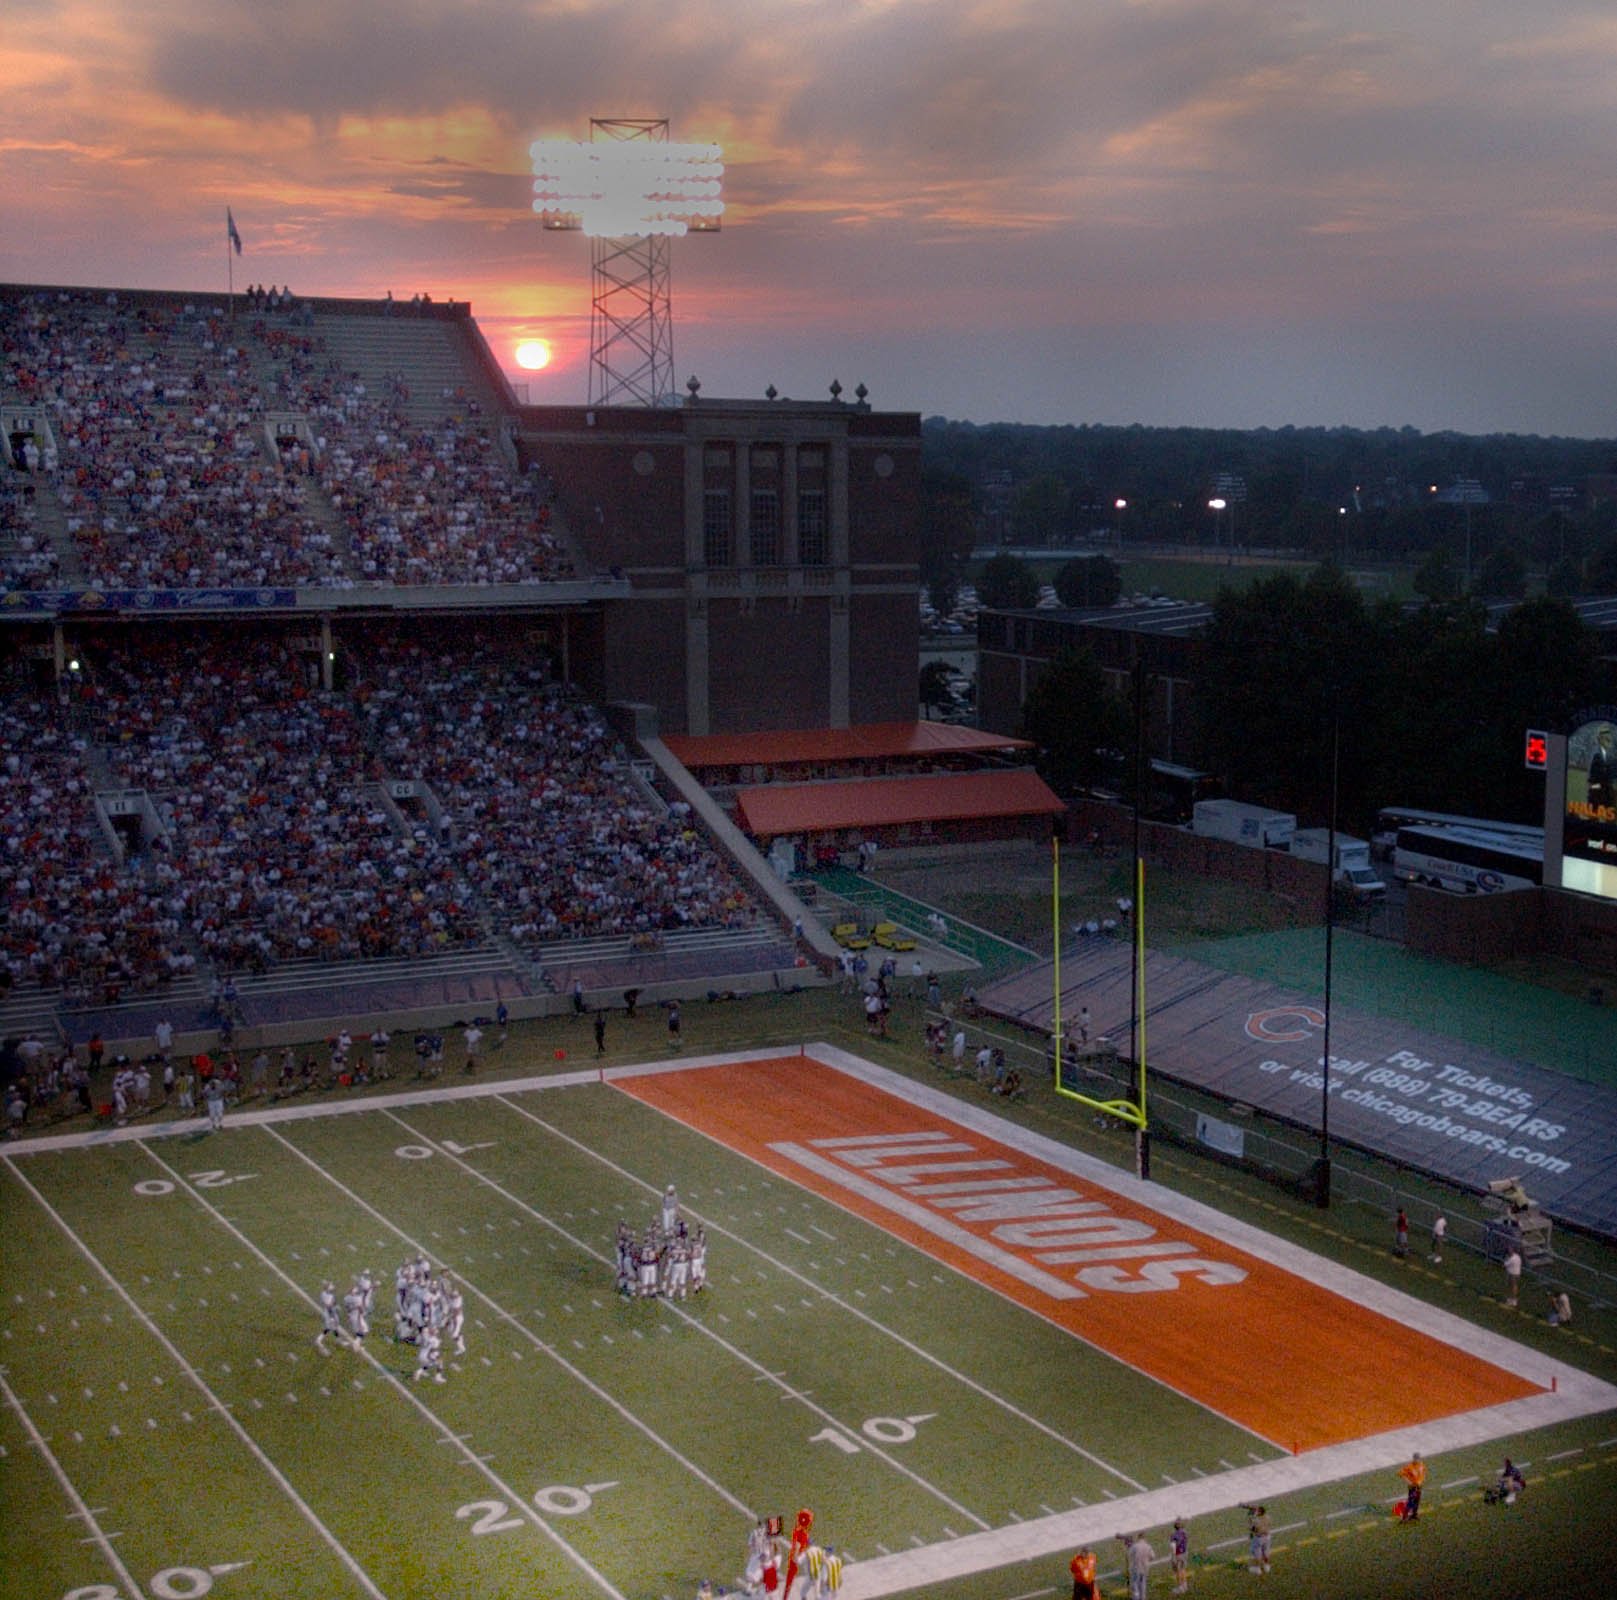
column 1284, row 1024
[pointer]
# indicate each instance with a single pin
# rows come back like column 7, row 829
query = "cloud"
column 1049, row 175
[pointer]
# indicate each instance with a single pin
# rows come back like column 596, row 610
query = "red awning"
column 769, row 810
column 871, row 741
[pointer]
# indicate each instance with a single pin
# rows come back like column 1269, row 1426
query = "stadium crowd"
column 68, row 915
column 169, row 475
column 547, row 816
column 276, row 844
column 271, row 835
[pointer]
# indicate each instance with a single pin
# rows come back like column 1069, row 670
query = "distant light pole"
column 1322, row 1171
column 1216, row 505
column 1120, row 505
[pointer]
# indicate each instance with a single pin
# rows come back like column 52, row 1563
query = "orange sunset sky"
column 1216, row 212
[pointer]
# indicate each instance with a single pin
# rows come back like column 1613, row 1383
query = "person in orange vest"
column 1082, row 1568
column 1415, row 1476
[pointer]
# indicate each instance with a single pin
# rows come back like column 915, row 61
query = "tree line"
column 1342, row 494
column 1421, row 706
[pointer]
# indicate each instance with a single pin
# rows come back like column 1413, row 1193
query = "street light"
column 1216, row 505
column 1120, row 505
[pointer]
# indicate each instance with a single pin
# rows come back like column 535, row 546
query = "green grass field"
column 170, row 1429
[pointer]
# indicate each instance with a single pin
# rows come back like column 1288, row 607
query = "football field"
column 965, row 1346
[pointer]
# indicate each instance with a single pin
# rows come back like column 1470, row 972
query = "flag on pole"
column 230, row 230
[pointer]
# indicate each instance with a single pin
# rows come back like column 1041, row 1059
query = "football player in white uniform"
column 699, row 1260
column 401, row 1294
column 648, row 1267
column 429, row 1357
column 679, row 1270
column 329, row 1320
column 354, row 1304
column 670, row 1212
column 455, row 1319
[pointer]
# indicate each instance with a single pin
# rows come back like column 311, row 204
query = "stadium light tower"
column 632, row 191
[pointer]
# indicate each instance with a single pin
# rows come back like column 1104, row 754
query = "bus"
column 1389, row 819
column 1172, row 791
column 1468, row 860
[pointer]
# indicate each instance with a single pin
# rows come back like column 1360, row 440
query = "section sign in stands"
column 51, row 601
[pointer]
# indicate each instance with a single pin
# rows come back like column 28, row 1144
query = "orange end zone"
column 1295, row 1363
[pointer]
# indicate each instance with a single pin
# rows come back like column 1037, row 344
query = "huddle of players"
column 428, row 1311
column 671, row 1260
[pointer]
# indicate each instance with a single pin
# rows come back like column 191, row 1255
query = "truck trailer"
column 1243, row 824
column 1352, row 865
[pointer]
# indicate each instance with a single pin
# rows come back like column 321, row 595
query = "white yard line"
column 1572, row 1393
column 837, row 1300
column 581, row 1378
column 787, row 1391
column 80, row 1509
column 341, row 1551
column 518, row 1502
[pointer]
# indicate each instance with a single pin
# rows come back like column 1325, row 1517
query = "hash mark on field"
column 792, row 1233
column 1198, row 1471
column 1048, row 1511
column 1459, row 1483
column 822, row 1233
column 1252, row 1455
column 1353, row 1511
column 1228, row 1466
column 1171, row 1482
column 917, row 1540
column 884, row 1550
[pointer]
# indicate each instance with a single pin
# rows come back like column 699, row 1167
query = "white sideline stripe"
column 517, row 1501
column 1578, row 1394
column 82, row 1510
column 787, row 1390
column 1576, row 1387
column 579, row 1377
column 337, row 1547
column 142, row 1133
column 835, row 1299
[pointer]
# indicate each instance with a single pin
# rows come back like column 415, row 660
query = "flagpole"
column 230, row 269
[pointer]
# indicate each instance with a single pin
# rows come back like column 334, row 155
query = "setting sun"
column 532, row 354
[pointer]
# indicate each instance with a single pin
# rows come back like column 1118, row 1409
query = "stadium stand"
column 186, row 450
column 217, row 772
